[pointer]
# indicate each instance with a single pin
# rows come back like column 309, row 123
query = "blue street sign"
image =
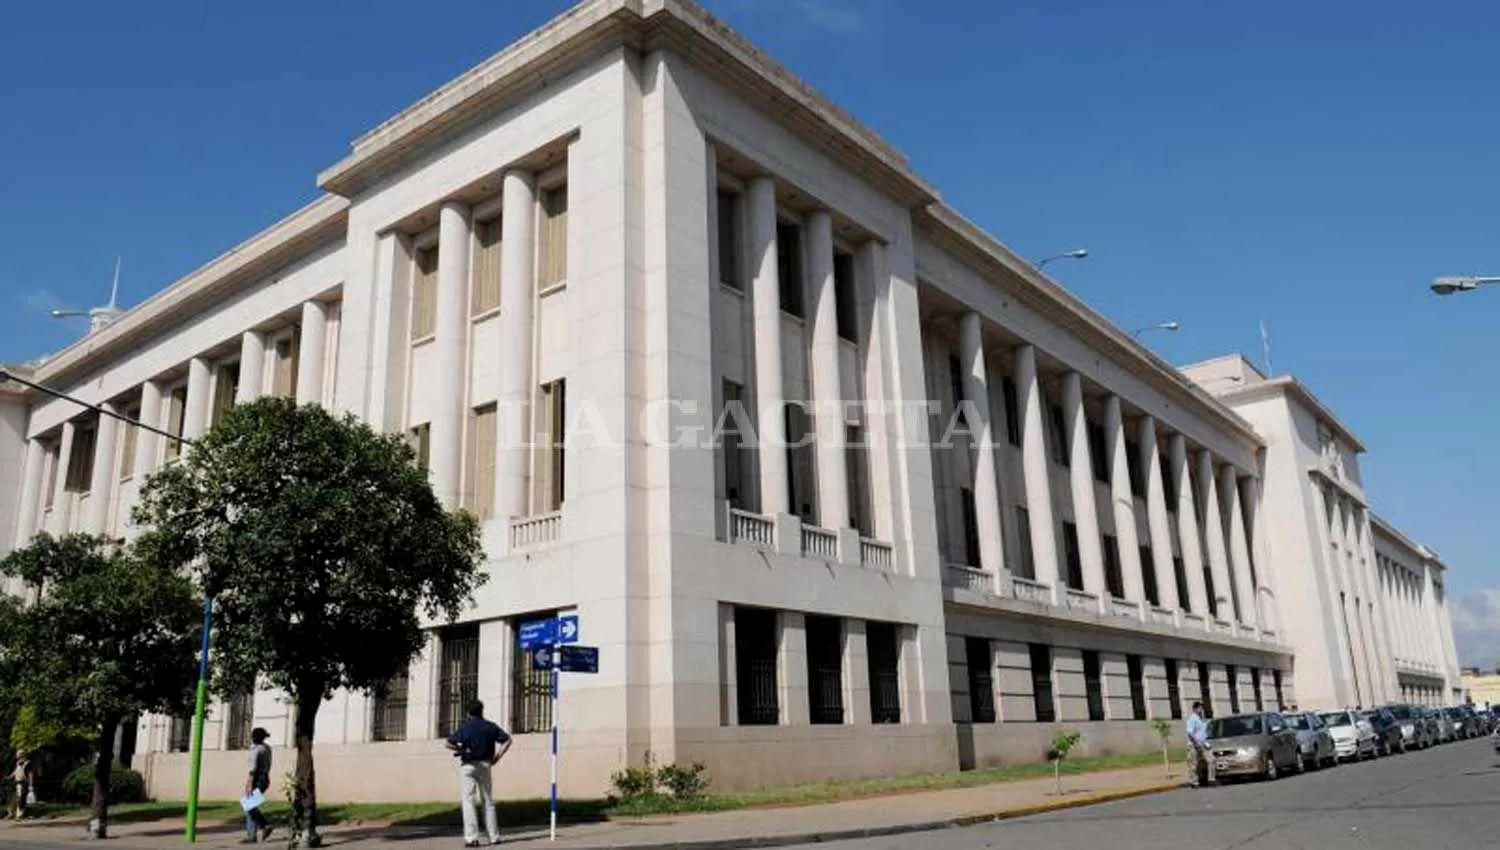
column 578, row 659
column 541, row 658
column 537, row 633
column 567, row 628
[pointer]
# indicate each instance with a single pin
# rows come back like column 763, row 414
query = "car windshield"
column 1337, row 718
column 1298, row 721
column 1233, row 727
column 1401, row 712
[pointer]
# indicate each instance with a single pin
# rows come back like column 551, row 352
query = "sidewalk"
column 890, row 815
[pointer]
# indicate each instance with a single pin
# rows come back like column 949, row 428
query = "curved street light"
column 1461, row 283
column 1171, row 327
column 1075, row 254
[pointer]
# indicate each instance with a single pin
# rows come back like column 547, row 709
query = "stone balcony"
column 788, row 535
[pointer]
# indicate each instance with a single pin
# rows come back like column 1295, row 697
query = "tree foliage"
column 110, row 636
column 323, row 548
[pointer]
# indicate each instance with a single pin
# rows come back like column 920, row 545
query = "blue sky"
column 1309, row 164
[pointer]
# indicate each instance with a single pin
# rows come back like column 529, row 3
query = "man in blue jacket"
column 479, row 745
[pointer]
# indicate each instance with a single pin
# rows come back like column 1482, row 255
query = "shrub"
column 125, row 785
column 634, row 783
column 684, row 781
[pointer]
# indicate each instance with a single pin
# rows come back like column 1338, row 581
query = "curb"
column 898, row 829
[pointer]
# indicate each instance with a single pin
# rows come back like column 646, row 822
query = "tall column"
column 1187, row 524
column 1357, row 571
column 1434, row 654
column 1121, row 498
column 1034, row 465
column 313, row 350
column 101, row 486
column 1156, row 517
column 517, row 283
column 253, row 367
column 58, row 522
column 1239, row 545
column 1265, row 595
column 1349, row 593
column 195, row 406
column 1380, row 615
column 1213, row 534
column 1081, row 472
column 445, row 460
column 986, row 479
column 827, row 395
column 31, row 492
column 147, row 443
column 760, row 225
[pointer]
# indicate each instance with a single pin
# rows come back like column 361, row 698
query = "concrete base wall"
column 995, row 745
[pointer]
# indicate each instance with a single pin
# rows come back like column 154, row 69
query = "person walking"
column 257, row 827
column 1197, row 738
column 479, row 745
column 22, row 775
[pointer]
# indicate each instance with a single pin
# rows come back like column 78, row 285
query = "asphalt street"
column 1445, row 797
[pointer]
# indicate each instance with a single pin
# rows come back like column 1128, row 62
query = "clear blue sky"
column 1312, row 164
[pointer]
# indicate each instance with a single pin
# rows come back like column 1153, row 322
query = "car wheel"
column 1272, row 773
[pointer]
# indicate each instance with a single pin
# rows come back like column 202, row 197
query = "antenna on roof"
column 114, row 289
column 99, row 317
column 1265, row 349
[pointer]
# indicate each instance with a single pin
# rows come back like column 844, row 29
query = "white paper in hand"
column 253, row 800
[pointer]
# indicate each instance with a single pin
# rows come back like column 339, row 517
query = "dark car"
column 1416, row 732
column 1387, row 730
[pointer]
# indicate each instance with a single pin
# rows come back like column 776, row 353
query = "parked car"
column 1353, row 738
column 1314, row 742
column 1457, row 721
column 1416, row 732
column 1442, row 729
column 1495, row 740
column 1259, row 744
column 1387, row 730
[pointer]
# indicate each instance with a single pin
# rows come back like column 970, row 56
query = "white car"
column 1353, row 737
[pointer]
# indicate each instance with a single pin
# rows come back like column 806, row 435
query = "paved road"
column 1446, row 797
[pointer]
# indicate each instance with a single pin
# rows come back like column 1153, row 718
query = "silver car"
column 1314, row 743
column 1259, row 744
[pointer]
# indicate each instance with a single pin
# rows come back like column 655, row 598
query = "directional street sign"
column 578, row 659
column 541, row 658
column 538, row 633
column 567, row 628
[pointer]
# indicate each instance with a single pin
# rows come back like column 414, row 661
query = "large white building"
column 562, row 272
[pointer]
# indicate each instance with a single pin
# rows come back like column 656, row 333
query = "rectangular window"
column 484, row 292
column 1148, row 576
column 789, row 266
column 755, row 645
column 176, row 418
column 240, row 720
column 420, row 438
column 1168, row 485
column 458, row 675
column 1174, row 689
column 1072, row 558
column 226, row 386
column 1205, row 687
column 1012, row 411
column 882, row 648
column 971, row 527
column 552, row 252
column 1276, row 684
column 956, row 386
column 388, row 709
column 81, row 459
column 180, row 735
column 1098, row 452
column 128, row 443
column 1060, row 450
column 423, row 294
column 856, row 466
column 732, row 448
column 1093, row 684
column 479, row 492
column 1260, row 701
column 551, row 471
column 845, row 307
column 1025, row 555
column 1183, row 596
column 731, row 270
column 1133, row 466
column 284, row 354
column 1208, row 579
column 531, row 705
column 825, row 669
column 981, row 681
column 1137, row 686
column 1041, row 682
column 799, row 461
column 1114, row 577
column 1233, row 675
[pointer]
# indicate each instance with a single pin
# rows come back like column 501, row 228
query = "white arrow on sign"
column 569, row 629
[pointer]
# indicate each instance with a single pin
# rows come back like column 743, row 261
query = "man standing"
column 1197, row 738
column 257, row 828
column 479, row 745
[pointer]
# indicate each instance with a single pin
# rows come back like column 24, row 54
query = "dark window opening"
column 1148, row 576
column 1041, row 682
column 1012, row 412
column 458, row 675
column 1168, row 486
column 531, row 705
column 1174, row 689
column 733, row 448
column 882, row 649
column 1276, row 684
column 845, row 308
column 1071, row 556
column 799, row 461
column 1133, row 466
column 180, row 736
column 1137, row 686
column 1098, row 454
column 1233, row 675
column 825, row 669
column 730, row 270
column 1184, row 598
column 755, row 643
column 1026, row 555
column 1260, row 700
column 1205, row 688
column 789, row 266
column 981, row 680
column 1114, row 577
column 388, row 709
column 971, row 526
column 1093, row 684
column 1060, row 448
column 956, row 387
column 1208, row 586
column 240, row 722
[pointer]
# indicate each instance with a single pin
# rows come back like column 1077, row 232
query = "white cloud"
column 1476, row 627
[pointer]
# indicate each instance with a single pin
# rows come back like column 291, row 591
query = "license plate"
column 1221, row 765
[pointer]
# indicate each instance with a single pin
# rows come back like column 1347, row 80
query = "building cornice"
column 282, row 242
column 1291, row 386
column 1423, row 553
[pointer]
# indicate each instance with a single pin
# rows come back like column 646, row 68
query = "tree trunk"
column 99, row 805
column 305, row 794
column 1057, row 775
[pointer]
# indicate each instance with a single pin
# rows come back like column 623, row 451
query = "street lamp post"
column 1461, row 283
column 1075, row 254
column 1171, row 327
column 200, row 696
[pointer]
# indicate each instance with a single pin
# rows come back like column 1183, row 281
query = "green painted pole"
column 196, row 760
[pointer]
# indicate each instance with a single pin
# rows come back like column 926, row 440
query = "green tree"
column 1063, row 742
column 323, row 548
column 110, row 636
column 1164, row 732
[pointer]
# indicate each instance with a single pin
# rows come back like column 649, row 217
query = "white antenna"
column 114, row 289
column 99, row 317
column 1265, row 348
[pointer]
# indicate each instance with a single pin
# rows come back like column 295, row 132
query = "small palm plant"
column 1164, row 732
column 1063, row 741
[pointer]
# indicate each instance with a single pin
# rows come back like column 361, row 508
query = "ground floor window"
column 388, row 714
column 1148, row 576
column 458, row 675
column 1184, row 597
column 882, row 648
column 1233, row 675
column 180, row 735
column 981, row 681
column 1205, row 687
column 755, row 645
column 1174, row 688
column 1276, row 684
column 531, row 689
column 1260, row 702
column 825, row 669
column 1041, row 682
column 240, row 721
column 1093, row 685
column 1137, row 686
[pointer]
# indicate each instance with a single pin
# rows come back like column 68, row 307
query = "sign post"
column 553, row 645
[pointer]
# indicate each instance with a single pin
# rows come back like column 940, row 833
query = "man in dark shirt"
column 479, row 745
